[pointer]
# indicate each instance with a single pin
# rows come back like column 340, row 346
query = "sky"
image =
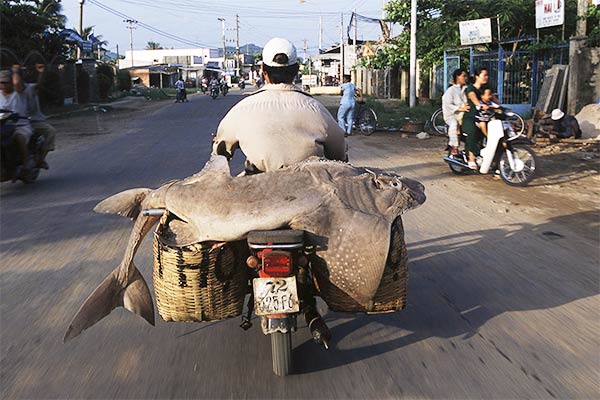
column 193, row 23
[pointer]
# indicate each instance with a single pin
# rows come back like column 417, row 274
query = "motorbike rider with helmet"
column 280, row 125
column 13, row 98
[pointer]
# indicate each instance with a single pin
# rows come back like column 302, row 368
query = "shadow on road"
column 459, row 282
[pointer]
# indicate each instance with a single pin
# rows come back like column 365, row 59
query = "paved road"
column 503, row 298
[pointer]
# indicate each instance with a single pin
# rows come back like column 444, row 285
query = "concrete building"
column 205, row 57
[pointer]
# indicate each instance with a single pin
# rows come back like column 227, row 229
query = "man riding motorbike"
column 13, row 98
column 37, row 118
column 180, row 87
column 280, row 125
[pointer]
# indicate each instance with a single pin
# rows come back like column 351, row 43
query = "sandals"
column 473, row 165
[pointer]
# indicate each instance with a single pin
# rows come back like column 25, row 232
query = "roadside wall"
column 584, row 76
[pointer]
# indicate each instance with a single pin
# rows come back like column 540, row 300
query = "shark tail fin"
column 126, row 203
column 110, row 294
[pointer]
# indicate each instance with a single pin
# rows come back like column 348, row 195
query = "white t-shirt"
column 15, row 102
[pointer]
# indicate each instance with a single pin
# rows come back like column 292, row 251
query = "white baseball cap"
column 279, row 46
column 557, row 114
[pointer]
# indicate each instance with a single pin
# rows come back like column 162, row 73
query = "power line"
column 148, row 27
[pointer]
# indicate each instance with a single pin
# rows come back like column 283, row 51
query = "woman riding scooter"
column 474, row 134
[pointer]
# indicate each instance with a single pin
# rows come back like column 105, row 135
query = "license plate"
column 275, row 296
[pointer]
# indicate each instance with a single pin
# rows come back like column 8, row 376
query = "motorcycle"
column 242, row 84
column 214, row 91
column 281, row 285
column 181, row 96
column 505, row 151
column 224, row 88
column 11, row 158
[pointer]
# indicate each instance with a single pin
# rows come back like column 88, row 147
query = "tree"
column 153, row 46
column 28, row 27
column 438, row 21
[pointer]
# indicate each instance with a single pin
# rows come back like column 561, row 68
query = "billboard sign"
column 549, row 13
column 475, row 31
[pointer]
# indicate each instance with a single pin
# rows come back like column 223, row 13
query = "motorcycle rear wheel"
column 526, row 174
column 281, row 353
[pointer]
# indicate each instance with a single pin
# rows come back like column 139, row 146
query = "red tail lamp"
column 277, row 263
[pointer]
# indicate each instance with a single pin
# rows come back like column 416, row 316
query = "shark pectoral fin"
column 126, row 203
column 137, row 298
column 109, row 295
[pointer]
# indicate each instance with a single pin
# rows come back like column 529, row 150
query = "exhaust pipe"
column 455, row 162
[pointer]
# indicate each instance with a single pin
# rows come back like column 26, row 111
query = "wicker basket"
column 392, row 291
column 196, row 283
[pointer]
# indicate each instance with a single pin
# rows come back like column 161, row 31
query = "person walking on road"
column 345, row 114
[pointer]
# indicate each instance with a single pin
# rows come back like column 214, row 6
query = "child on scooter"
column 484, row 116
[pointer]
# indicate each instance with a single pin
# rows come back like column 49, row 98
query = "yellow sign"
column 368, row 51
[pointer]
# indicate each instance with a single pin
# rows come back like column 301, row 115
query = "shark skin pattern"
column 346, row 211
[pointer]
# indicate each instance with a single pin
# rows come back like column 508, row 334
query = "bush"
column 105, row 76
column 124, row 80
column 104, row 85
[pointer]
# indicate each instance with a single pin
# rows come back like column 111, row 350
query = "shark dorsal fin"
column 217, row 164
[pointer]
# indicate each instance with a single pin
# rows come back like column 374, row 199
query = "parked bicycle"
column 365, row 119
column 438, row 126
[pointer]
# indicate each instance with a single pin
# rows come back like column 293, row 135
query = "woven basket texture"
column 195, row 283
column 392, row 291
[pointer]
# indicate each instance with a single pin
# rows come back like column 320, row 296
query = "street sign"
column 475, row 31
column 309, row 80
column 549, row 13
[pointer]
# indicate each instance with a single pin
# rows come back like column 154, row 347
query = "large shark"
column 347, row 212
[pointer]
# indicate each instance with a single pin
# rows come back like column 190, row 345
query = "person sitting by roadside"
column 565, row 126
column 345, row 115
column 13, row 98
column 482, row 117
column 454, row 104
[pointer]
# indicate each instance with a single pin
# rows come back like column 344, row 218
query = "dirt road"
column 503, row 290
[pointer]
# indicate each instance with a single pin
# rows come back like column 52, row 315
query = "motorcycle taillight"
column 277, row 263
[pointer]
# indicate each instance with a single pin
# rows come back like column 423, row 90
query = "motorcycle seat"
column 285, row 236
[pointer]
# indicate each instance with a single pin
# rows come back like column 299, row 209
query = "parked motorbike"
column 224, row 88
column 505, row 151
column 11, row 158
column 281, row 281
column 242, row 84
column 214, row 91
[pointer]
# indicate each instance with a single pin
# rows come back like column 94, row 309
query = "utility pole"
column 355, row 47
column 81, row 2
column 224, row 44
column 131, row 27
column 238, row 63
column 341, row 47
column 412, row 91
column 320, row 33
column 305, row 48
column 577, row 64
